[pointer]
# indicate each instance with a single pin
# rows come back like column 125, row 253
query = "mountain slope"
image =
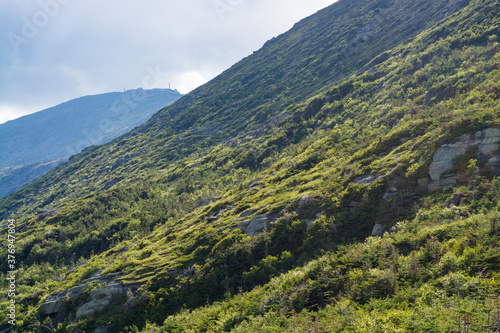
column 325, row 47
column 59, row 132
column 182, row 215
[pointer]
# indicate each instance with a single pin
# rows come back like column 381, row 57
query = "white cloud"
column 189, row 81
column 9, row 112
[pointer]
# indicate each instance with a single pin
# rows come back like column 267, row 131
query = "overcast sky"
column 57, row 50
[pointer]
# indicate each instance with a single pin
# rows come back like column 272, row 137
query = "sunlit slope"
column 202, row 219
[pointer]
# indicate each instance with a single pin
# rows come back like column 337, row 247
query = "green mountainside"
column 344, row 178
column 34, row 144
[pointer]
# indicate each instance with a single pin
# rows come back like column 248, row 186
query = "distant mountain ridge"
column 65, row 129
column 34, row 144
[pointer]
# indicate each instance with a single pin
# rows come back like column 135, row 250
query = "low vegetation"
column 317, row 173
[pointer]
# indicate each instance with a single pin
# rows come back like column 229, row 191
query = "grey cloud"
column 96, row 46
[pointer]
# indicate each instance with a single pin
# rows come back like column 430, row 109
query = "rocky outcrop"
column 99, row 297
column 256, row 225
column 55, row 302
column 486, row 141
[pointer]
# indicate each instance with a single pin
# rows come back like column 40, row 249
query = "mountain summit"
column 342, row 178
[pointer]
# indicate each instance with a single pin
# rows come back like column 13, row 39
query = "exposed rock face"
column 490, row 141
column 487, row 142
column 100, row 297
column 55, row 302
column 255, row 226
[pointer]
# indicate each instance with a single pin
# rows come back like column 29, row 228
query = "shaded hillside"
column 207, row 218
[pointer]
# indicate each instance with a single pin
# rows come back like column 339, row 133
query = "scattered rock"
column 320, row 214
column 101, row 329
column 427, row 99
column 423, row 183
column 368, row 179
column 449, row 10
column 255, row 226
column 353, row 206
column 494, row 163
column 487, row 142
column 243, row 225
column 398, row 182
column 448, row 181
column 455, row 200
column 255, row 180
column 107, row 290
column 206, row 202
column 490, row 141
column 378, row 230
column 110, row 183
column 276, row 119
column 389, row 194
column 305, row 200
column 101, row 298
column 443, row 159
column 92, row 307
column 54, row 303
column 212, row 218
column 248, row 212
column 47, row 213
column 432, row 187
